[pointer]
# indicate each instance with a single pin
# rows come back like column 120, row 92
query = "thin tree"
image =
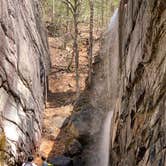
column 90, row 50
column 74, row 7
column 53, row 10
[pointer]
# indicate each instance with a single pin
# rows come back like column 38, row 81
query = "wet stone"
column 61, row 161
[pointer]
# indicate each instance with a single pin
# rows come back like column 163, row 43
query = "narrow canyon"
column 118, row 120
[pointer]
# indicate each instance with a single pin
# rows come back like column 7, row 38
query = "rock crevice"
column 139, row 116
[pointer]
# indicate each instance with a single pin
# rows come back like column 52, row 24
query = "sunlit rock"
column 24, row 64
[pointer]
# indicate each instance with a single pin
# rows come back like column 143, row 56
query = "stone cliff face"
column 139, row 123
column 130, row 79
column 24, row 64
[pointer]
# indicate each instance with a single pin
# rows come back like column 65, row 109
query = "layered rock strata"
column 130, row 79
column 139, row 123
column 24, row 64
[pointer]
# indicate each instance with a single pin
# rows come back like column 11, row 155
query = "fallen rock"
column 83, row 123
column 61, row 161
column 73, row 148
column 60, row 121
column 77, row 161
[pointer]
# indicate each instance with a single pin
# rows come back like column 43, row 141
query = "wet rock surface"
column 130, row 80
column 74, row 148
column 138, row 130
column 24, row 64
column 60, row 122
column 61, row 161
column 83, row 121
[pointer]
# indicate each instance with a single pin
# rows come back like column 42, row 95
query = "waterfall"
column 113, row 20
column 111, row 69
column 105, row 140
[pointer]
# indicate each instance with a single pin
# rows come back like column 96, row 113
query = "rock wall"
column 130, row 79
column 24, row 64
column 136, row 81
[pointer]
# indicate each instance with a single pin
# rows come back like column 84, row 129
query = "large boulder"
column 73, row 148
column 134, row 72
column 83, row 123
column 61, row 161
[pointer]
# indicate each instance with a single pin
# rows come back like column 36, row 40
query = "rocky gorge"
column 129, row 83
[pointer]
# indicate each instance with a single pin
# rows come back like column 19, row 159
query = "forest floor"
column 61, row 94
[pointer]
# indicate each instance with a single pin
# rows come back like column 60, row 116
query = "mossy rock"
column 73, row 148
column 2, row 147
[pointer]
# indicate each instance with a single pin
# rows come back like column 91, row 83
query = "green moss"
column 2, row 147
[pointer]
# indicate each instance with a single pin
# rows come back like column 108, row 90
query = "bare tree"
column 74, row 7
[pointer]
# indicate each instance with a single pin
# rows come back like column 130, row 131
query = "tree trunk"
column 74, row 8
column 102, row 13
column 67, row 27
column 90, row 52
column 76, row 52
column 53, row 10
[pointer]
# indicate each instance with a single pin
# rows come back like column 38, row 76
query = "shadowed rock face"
column 139, row 123
column 131, row 81
column 24, row 64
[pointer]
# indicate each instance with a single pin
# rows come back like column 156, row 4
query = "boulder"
column 61, row 161
column 73, row 148
column 60, row 122
column 83, row 123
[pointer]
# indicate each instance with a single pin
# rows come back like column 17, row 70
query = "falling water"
column 105, row 141
column 113, row 20
column 111, row 68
